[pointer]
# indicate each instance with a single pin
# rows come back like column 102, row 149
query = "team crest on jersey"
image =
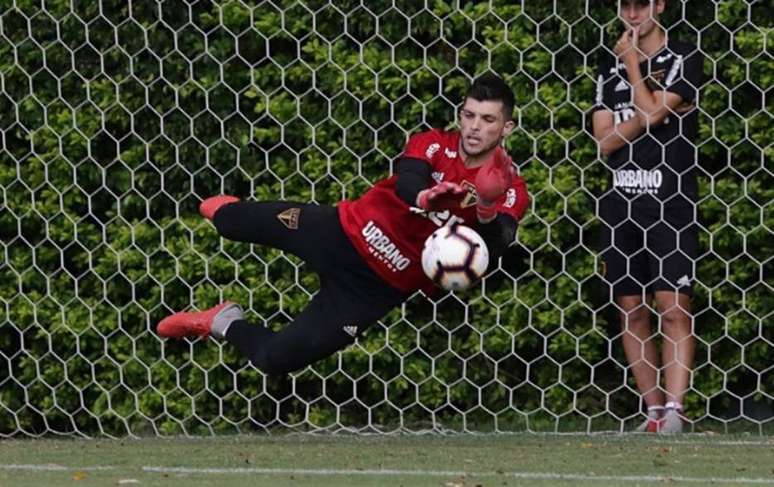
column 655, row 78
column 431, row 150
column 289, row 218
column 470, row 198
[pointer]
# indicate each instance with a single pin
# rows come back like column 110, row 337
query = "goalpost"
column 117, row 118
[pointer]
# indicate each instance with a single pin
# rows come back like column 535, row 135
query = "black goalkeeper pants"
column 351, row 297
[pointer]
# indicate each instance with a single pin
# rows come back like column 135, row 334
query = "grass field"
column 429, row 460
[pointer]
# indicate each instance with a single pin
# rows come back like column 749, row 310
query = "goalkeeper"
column 367, row 252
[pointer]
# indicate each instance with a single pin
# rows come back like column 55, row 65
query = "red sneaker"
column 211, row 205
column 650, row 425
column 190, row 323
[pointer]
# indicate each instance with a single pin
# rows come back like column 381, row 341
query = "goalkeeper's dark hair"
column 488, row 87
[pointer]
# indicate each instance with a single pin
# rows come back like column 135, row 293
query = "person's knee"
column 227, row 222
column 272, row 363
column 636, row 319
column 676, row 323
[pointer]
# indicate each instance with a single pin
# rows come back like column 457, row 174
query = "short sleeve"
column 684, row 76
column 423, row 146
column 601, row 101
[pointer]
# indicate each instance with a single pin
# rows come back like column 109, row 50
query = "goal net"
column 118, row 118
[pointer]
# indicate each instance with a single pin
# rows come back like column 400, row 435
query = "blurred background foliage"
column 117, row 119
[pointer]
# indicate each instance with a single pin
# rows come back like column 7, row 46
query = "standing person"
column 367, row 252
column 645, row 121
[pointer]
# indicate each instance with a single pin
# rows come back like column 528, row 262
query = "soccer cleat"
column 653, row 422
column 211, row 205
column 191, row 323
column 671, row 423
column 650, row 425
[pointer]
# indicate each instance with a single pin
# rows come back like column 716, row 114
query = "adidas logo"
column 622, row 86
column 350, row 330
column 663, row 58
column 684, row 281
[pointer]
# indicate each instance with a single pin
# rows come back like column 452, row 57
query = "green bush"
column 116, row 122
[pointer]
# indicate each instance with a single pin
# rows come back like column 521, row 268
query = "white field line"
column 52, row 467
column 390, row 473
column 452, row 473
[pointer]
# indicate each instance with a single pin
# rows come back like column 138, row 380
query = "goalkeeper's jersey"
column 389, row 234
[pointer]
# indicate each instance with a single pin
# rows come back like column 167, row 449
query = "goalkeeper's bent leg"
column 346, row 304
column 312, row 336
column 312, row 232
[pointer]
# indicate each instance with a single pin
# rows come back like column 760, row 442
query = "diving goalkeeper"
column 367, row 251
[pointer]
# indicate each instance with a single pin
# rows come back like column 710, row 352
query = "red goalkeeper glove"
column 442, row 196
column 492, row 181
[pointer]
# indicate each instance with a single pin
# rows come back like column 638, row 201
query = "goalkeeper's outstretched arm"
column 413, row 177
column 498, row 234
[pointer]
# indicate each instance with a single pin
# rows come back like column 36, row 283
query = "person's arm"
column 652, row 107
column 412, row 187
column 611, row 136
column 498, row 234
column 413, row 177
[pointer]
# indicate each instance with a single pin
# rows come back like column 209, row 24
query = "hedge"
column 117, row 120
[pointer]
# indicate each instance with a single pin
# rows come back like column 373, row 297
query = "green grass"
column 430, row 460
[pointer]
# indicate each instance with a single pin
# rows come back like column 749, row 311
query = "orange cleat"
column 211, row 205
column 190, row 323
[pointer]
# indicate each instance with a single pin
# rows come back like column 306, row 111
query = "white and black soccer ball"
column 454, row 257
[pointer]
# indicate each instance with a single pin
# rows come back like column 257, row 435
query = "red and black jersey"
column 390, row 234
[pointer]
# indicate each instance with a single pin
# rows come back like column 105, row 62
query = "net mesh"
column 117, row 118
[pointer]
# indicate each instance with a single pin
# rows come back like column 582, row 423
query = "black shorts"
column 643, row 251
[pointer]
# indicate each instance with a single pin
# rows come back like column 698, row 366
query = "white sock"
column 222, row 321
column 674, row 405
column 655, row 412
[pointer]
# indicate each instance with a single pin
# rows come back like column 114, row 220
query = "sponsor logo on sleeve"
column 431, row 150
column 510, row 198
column 661, row 59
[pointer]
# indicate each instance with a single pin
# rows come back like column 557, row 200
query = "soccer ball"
column 454, row 257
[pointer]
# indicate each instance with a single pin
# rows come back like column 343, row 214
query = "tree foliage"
column 117, row 119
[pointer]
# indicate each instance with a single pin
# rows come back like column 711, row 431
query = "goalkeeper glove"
column 492, row 181
column 442, row 196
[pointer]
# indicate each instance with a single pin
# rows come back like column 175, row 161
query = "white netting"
column 118, row 118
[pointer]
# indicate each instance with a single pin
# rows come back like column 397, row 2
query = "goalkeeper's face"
column 483, row 124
